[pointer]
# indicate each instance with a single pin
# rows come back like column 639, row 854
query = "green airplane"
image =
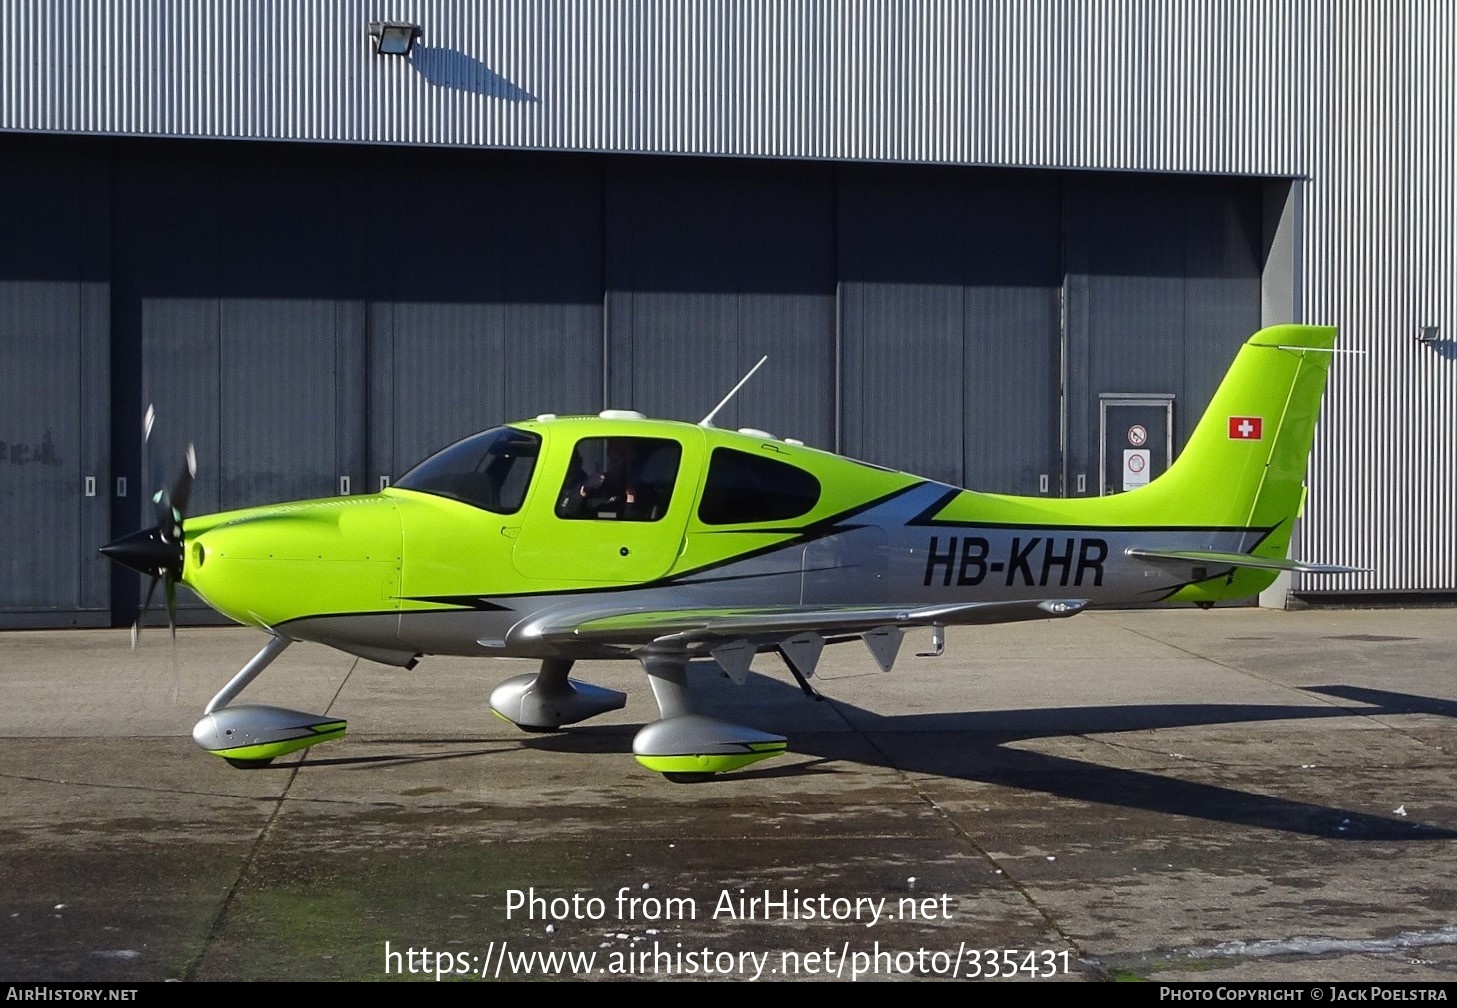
column 616, row 536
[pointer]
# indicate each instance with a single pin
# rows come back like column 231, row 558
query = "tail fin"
column 1245, row 463
column 1242, row 472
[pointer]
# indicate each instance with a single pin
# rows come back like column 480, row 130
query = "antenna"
column 708, row 420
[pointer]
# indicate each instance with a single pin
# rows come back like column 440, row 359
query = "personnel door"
column 613, row 509
column 1137, row 434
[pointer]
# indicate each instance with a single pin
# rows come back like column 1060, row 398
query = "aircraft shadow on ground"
column 984, row 751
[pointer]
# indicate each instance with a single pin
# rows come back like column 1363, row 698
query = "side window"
column 620, row 479
column 750, row 488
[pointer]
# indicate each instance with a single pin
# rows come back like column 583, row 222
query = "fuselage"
column 476, row 543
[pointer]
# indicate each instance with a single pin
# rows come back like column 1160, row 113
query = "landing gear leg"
column 276, row 646
column 686, row 747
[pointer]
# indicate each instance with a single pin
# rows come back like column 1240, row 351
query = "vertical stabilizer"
column 1245, row 463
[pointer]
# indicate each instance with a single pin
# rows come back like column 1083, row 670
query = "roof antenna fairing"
column 708, row 420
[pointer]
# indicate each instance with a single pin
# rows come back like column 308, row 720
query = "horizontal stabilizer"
column 1244, row 560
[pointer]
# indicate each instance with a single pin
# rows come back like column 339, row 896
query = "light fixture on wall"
column 394, row 38
column 1427, row 334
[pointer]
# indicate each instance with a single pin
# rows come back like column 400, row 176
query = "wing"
column 734, row 636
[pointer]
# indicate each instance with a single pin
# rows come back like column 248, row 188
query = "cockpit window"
column 490, row 470
column 749, row 488
column 620, row 479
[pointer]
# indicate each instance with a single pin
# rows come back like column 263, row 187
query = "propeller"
column 158, row 551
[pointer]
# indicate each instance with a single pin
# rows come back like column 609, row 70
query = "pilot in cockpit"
column 614, row 491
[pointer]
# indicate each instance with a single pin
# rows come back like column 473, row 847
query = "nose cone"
column 147, row 552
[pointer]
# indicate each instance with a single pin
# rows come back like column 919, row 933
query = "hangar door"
column 984, row 313
column 1162, row 288
column 231, row 315
column 54, row 424
column 491, row 313
column 950, row 322
column 711, row 266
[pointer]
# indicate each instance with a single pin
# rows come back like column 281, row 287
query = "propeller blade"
column 142, row 616
column 182, row 487
column 158, row 551
column 172, row 504
column 170, row 591
column 149, row 421
column 162, row 504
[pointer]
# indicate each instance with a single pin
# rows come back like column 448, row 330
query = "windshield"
column 490, row 470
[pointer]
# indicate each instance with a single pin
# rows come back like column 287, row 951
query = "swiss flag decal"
column 1245, row 428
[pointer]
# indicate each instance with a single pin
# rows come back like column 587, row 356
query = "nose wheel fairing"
column 252, row 735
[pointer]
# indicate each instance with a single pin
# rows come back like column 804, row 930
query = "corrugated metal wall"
column 1016, row 82
column 1381, row 250
column 1357, row 99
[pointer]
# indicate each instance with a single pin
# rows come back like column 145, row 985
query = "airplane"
column 707, row 543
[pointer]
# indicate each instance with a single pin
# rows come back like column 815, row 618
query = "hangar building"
column 977, row 239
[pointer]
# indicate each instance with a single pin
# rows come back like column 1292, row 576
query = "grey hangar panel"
column 306, row 312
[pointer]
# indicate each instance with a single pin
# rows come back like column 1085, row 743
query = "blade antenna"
column 708, row 420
